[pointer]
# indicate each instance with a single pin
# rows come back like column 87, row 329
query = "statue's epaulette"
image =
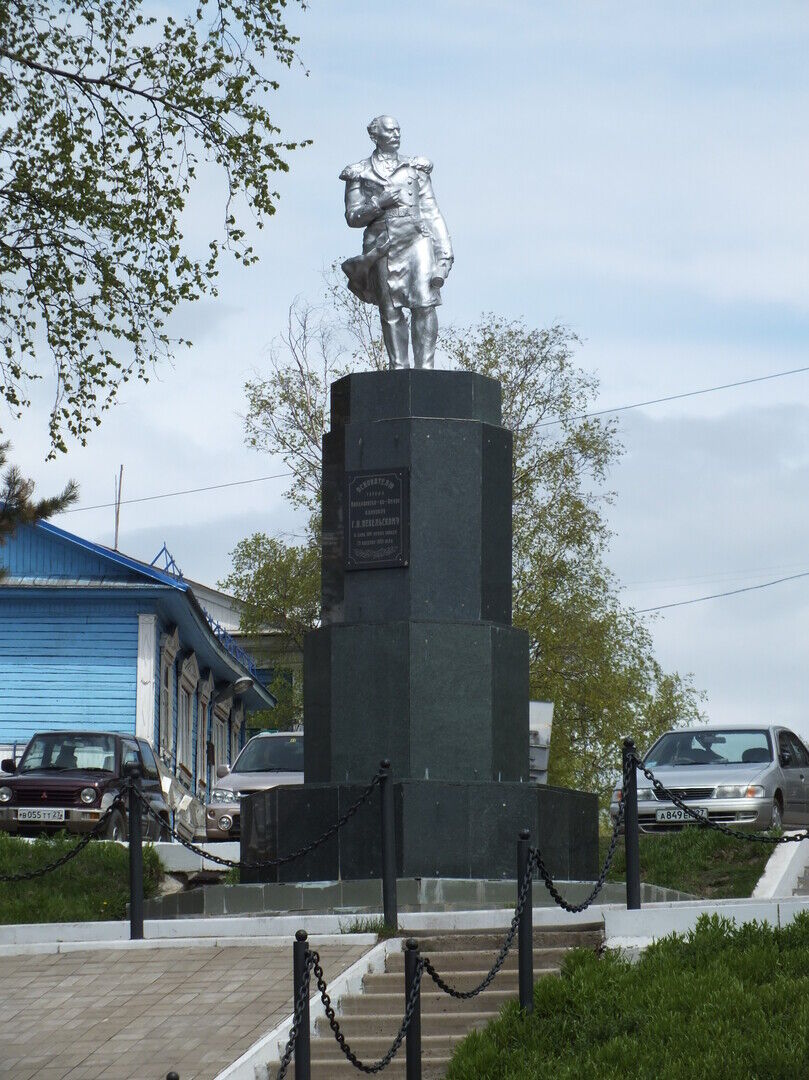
column 352, row 172
column 422, row 163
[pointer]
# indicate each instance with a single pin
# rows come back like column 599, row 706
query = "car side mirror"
column 785, row 758
column 8, row 765
column 222, row 771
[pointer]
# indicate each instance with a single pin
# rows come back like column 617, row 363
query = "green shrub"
column 91, row 887
column 723, row 1003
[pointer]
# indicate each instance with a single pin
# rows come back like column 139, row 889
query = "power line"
column 708, row 578
column 679, row 397
column 171, row 494
column 545, row 423
column 717, row 596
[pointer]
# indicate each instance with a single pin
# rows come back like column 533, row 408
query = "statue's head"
column 384, row 131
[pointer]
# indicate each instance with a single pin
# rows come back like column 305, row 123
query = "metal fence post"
column 135, row 833
column 389, row 901
column 303, row 1064
column 631, row 831
column 525, row 945
column 413, row 1039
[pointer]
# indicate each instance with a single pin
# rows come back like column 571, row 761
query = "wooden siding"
column 67, row 664
column 33, row 553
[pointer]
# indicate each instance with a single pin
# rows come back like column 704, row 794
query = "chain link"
column 410, row 1008
column 508, row 941
column 703, row 819
column 82, row 844
column 270, row 863
column 605, row 869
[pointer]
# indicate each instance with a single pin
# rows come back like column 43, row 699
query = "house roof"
column 43, row 556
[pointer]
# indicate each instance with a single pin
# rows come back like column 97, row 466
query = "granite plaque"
column 377, row 518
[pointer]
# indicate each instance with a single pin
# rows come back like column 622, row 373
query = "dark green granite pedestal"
column 416, row 659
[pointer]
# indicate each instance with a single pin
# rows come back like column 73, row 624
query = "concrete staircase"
column 370, row 1020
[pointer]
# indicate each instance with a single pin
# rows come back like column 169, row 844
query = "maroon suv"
column 66, row 780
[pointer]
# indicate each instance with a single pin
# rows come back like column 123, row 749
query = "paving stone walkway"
column 136, row 1015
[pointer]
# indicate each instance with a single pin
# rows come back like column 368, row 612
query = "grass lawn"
column 724, row 1003
column 93, row 886
column 695, row 860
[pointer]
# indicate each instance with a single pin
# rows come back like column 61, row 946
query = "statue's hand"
column 389, row 197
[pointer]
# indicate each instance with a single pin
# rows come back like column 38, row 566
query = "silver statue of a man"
column 407, row 252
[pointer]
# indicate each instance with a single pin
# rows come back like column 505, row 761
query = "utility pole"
column 118, row 484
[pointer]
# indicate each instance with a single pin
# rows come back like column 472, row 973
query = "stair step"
column 387, row 1024
column 491, row 940
column 432, row 1001
column 372, row 1047
column 469, row 960
column 462, row 980
column 327, row 1070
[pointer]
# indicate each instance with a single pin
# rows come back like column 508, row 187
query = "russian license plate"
column 676, row 814
column 35, row 813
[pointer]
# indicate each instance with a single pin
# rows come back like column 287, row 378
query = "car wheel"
column 777, row 819
column 116, row 826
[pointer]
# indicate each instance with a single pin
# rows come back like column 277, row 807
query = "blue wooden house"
column 93, row 640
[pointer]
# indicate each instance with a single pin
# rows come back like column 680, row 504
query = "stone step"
column 386, row 1025
column 370, row 1048
column 492, row 940
column 468, row 960
column 391, row 981
column 432, row 1001
column 327, row 1070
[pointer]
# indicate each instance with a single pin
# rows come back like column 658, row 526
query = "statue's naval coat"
column 404, row 247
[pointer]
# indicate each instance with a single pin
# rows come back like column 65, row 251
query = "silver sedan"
column 756, row 777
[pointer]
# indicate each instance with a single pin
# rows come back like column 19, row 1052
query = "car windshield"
column 714, row 747
column 277, row 753
column 62, row 752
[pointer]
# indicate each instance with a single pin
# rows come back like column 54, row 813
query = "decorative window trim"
column 169, row 647
column 205, row 691
column 187, row 690
column 219, row 736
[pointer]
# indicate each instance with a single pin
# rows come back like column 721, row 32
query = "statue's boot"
column 394, row 334
column 425, row 336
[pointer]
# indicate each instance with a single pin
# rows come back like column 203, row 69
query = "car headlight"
column 88, row 795
column 5, row 794
column 220, row 794
column 645, row 793
column 739, row 791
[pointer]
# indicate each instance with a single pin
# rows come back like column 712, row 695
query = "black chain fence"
column 416, row 965
column 313, row 965
column 269, row 864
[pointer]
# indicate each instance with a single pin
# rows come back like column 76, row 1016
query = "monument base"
column 451, row 829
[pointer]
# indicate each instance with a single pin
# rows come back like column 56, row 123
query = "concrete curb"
column 283, row 927
column 637, row 929
column 252, row 1065
column 783, row 870
column 41, row 948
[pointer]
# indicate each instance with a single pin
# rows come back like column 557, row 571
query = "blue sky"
column 636, row 170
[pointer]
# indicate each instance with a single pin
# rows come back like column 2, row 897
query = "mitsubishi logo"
column 44, row 795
